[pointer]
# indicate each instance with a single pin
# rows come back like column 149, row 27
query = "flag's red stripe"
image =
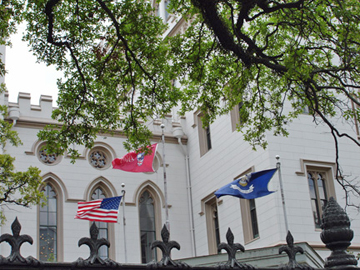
column 99, row 212
column 99, row 215
column 92, row 211
column 87, row 209
column 96, row 202
column 98, row 219
column 85, row 206
column 84, row 209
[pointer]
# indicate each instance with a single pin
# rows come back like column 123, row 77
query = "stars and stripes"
column 105, row 210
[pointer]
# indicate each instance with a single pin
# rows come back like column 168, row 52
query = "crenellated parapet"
column 24, row 114
column 23, row 110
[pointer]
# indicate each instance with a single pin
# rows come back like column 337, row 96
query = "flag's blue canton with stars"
column 110, row 203
column 105, row 210
column 250, row 186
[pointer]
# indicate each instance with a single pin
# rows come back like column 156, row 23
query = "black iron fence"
column 336, row 235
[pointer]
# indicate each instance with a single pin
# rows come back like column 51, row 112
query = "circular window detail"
column 45, row 157
column 99, row 158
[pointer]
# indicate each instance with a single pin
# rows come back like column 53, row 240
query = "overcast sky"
column 25, row 75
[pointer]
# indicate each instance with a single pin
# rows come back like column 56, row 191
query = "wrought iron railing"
column 336, row 235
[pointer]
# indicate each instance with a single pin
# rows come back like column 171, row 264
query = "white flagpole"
column 124, row 220
column 282, row 192
column 165, row 183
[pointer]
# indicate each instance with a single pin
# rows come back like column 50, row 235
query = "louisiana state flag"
column 136, row 162
column 250, row 186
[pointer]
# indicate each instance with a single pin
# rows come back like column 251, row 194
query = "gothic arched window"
column 147, row 226
column 48, row 226
column 102, row 226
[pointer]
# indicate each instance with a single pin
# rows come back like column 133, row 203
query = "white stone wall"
column 230, row 156
column 77, row 177
column 307, row 141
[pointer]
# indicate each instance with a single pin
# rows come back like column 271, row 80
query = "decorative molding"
column 130, row 204
column 73, row 200
column 40, row 123
column 157, row 122
column 55, row 180
column 196, row 118
column 315, row 163
column 176, row 124
column 248, row 170
column 148, row 184
column 103, row 183
column 207, row 199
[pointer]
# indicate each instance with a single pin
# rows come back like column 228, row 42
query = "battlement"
column 25, row 113
column 24, row 109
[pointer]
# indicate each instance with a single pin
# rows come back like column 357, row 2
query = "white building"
column 198, row 164
column 197, row 222
column 91, row 173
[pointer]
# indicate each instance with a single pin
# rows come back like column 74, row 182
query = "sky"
column 25, row 75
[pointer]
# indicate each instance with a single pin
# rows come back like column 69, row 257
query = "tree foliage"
column 118, row 67
column 16, row 187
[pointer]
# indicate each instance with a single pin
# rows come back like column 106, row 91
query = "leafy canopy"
column 16, row 187
column 119, row 68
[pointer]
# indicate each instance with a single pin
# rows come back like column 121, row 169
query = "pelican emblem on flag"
column 244, row 191
column 140, row 159
column 244, row 180
column 136, row 161
column 249, row 186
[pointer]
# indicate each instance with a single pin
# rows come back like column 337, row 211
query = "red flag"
column 133, row 162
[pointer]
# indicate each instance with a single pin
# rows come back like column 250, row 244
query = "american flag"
column 105, row 210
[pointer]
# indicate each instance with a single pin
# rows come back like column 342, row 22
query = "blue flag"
column 250, row 186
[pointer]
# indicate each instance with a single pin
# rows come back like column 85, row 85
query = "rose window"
column 47, row 158
column 98, row 159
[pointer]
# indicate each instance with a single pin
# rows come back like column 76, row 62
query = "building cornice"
column 40, row 123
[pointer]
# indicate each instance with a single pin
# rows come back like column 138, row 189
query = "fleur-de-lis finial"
column 166, row 246
column 94, row 244
column 15, row 241
column 290, row 249
column 231, row 250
